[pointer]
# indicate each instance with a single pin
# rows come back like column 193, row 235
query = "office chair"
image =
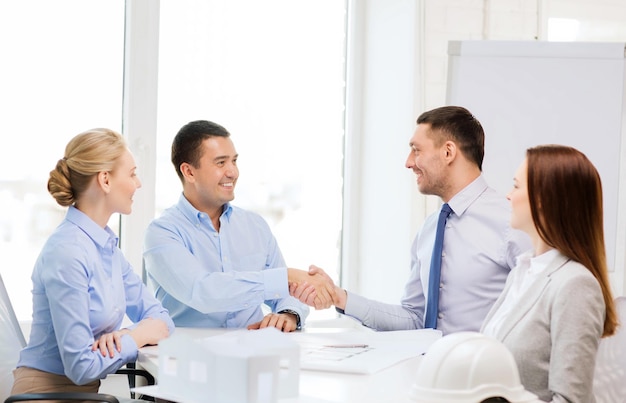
column 608, row 382
column 12, row 341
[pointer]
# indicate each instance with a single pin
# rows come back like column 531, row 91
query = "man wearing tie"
column 476, row 249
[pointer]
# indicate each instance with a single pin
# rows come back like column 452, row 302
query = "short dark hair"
column 459, row 125
column 186, row 146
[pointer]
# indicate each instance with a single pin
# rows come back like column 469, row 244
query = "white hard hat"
column 468, row 367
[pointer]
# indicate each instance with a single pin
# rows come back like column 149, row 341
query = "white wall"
column 140, row 116
column 381, row 102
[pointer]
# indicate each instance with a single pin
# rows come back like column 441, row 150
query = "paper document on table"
column 358, row 351
column 361, row 352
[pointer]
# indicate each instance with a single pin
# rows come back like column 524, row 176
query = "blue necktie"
column 432, row 305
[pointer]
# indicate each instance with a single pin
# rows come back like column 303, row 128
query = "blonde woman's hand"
column 149, row 332
column 109, row 342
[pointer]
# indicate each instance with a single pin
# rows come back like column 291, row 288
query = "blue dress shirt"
column 207, row 278
column 82, row 287
column 479, row 250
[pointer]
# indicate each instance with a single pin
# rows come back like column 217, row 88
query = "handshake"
column 315, row 288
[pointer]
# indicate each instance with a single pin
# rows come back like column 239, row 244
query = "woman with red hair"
column 557, row 302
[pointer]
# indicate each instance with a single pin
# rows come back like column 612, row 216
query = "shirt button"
column 440, row 316
column 277, row 295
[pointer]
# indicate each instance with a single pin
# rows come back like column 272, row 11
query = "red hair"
column 565, row 194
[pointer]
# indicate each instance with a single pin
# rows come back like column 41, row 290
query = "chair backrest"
column 609, row 380
column 11, row 342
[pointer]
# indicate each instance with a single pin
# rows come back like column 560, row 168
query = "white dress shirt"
column 530, row 268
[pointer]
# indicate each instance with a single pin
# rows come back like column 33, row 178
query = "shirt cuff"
column 356, row 306
column 276, row 283
column 129, row 348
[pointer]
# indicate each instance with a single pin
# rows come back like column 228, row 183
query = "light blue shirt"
column 207, row 278
column 82, row 286
column 479, row 250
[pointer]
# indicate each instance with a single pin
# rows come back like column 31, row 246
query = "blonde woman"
column 82, row 284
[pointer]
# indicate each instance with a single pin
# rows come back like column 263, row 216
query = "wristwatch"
column 291, row 311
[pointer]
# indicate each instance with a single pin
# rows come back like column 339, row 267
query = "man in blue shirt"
column 213, row 264
column 479, row 245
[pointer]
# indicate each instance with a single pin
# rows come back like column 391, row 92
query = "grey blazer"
column 555, row 330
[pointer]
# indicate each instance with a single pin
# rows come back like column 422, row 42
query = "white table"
column 392, row 384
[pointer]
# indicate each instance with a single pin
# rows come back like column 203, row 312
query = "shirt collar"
column 196, row 216
column 101, row 236
column 529, row 259
column 538, row 263
column 462, row 200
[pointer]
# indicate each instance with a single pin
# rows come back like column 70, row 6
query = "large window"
column 61, row 74
column 272, row 73
column 581, row 20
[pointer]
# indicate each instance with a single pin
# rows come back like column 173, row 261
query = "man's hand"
column 316, row 289
column 286, row 322
column 304, row 292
